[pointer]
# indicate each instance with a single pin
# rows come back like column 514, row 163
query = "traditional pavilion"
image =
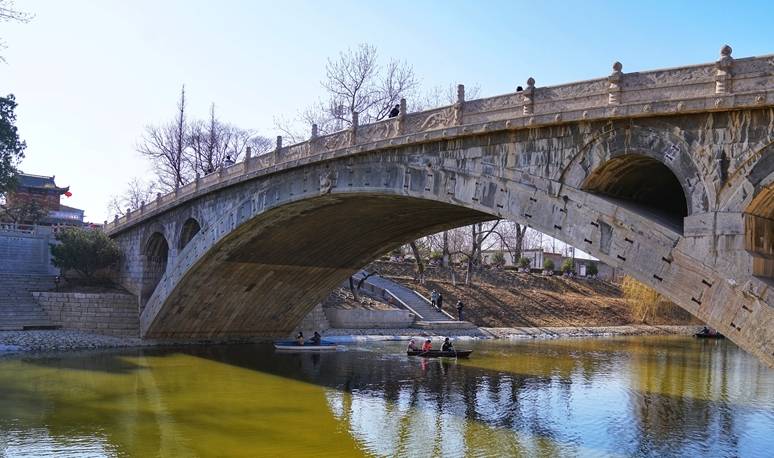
column 43, row 191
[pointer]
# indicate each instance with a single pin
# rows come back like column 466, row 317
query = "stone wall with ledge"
column 367, row 319
column 113, row 314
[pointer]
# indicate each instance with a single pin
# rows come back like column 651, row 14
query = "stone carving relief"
column 327, row 181
column 439, row 119
column 568, row 91
column 337, row 141
column 380, row 131
column 493, row 103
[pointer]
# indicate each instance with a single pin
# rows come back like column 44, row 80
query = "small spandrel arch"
column 190, row 228
column 642, row 183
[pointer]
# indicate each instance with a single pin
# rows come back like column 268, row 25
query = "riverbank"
column 66, row 340
column 60, row 340
column 591, row 331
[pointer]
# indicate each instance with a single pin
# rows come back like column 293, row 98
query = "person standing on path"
column 439, row 301
column 434, row 298
column 460, row 306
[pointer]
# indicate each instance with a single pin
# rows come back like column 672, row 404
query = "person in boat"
column 447, row 345
column 412, row 346
column 300, row 338
column 427, row 346
column 316, row 338
column 704, row 331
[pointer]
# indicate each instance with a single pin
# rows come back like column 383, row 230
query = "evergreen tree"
column 11, row 147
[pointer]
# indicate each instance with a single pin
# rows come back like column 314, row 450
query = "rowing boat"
column 717, row 335
column 292, row 345
column 440, row 353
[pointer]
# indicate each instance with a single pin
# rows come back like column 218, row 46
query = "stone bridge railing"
column 723, row 85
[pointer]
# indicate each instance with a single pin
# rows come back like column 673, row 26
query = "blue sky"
column 88, row 75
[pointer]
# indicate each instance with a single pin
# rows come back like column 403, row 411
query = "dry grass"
column 648, row 306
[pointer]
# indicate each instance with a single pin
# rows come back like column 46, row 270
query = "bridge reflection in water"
column 623, row 396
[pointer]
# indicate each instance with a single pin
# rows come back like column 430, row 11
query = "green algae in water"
column 649, row 396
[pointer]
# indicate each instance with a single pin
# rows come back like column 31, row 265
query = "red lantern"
column 68, row 194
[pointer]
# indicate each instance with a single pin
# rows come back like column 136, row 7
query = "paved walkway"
column 420, row 304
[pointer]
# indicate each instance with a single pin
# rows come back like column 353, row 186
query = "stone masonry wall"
column 104, row 313
column 316, row 320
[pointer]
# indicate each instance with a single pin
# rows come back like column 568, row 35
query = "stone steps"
column 408, row 296
column 445, row 325
column 18, row 308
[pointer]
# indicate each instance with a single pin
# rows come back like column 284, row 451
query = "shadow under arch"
column 260, row 279
column 644, row 185
column 190, row 228
column 156, row 253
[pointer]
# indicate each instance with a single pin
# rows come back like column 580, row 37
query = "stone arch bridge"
column 667, row 175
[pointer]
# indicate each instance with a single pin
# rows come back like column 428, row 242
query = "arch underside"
column 263, row 278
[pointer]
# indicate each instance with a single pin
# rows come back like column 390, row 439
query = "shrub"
column 568, row 266
column 524, row 262
column 591, row 269
column 548, row 265
column 498, row 259
column 436, row 256
column 85, row 251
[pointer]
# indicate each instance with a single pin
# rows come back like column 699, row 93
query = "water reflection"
column 595, row 397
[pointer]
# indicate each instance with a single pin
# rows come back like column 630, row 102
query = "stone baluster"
column 614, row 85
column 402, row 117
column 279, row 143
column 313, row 139
column 353, row 129
column 459, row 105
column 158, row 198
column 529, row 97
column 104, row 225
column 248, row 153
column 128, row 213
column 723, row 71
column 197, row 181
column 115, row 220
column 142, row 207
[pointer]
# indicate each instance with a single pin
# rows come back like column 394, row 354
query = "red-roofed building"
column 43, row 192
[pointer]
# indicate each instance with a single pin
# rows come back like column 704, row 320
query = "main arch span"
column 665, row 175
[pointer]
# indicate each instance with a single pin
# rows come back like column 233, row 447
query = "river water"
column 644, row 396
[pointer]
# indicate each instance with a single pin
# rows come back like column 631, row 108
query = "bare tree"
column 480, row 233
column 354, row 82
column 438, row 96
column 511, row 235
column 137, row 192
column 418, row 262
column 9, row 13
column 212, row 142
column 165, row 146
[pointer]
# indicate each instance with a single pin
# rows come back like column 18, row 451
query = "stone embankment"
column 113, row 314
column 60, row 339
column 590, row 331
